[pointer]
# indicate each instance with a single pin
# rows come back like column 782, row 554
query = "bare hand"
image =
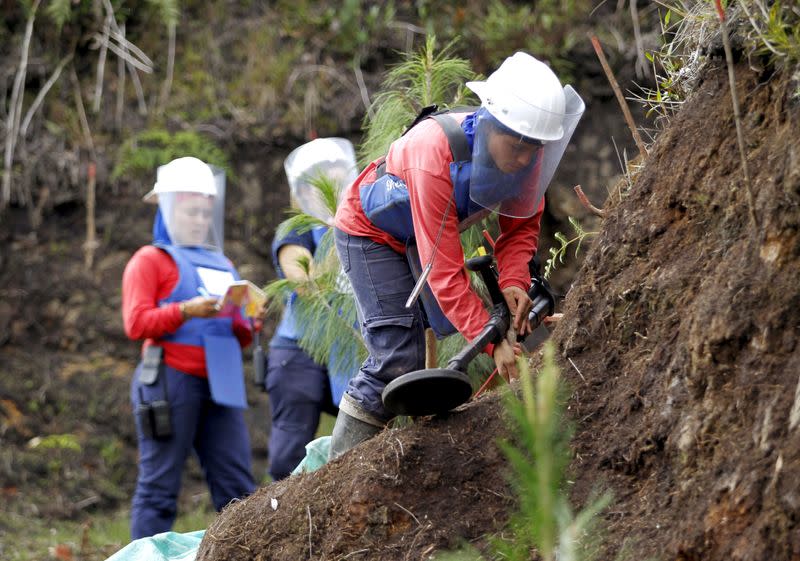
column 519, row 304
column 505, row 358
column 201, row 307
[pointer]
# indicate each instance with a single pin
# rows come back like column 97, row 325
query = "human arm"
column 438, row 241
column 149, row 277
column 289, row 251
column 422, row 159
column 514, row 249
column 505, row 359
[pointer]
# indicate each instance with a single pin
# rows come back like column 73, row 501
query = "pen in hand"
column 215, row 303
column 203, row 292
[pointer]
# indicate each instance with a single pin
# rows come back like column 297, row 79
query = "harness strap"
column 380, row 170
column 456, row 138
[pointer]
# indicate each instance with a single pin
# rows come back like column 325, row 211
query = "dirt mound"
column 680, row 344
column 682, row 329
column 404, row 494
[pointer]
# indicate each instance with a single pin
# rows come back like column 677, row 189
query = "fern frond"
column 576, row 226
column 60, row 11
column 557, row 254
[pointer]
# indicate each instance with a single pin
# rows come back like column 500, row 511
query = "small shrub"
column 56, row 442
column 423, row 78
column 775, row 34
column 547, row 29
column 143, row 153
column 539, row 461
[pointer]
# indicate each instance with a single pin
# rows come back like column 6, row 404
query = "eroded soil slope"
column 684, row 326
column 681, row 334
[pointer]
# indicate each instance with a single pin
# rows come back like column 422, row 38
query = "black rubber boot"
column 353, row 426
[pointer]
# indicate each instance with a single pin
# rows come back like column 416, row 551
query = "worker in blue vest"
column 445, row 173
column 300, row 389
column 188, row 391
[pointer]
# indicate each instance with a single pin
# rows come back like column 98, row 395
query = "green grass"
column 325, row 427
column 27, row 538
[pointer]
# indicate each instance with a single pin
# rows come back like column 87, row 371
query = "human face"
column 509, row 153
column 192, row 218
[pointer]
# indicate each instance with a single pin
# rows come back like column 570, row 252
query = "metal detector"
column 437, row 390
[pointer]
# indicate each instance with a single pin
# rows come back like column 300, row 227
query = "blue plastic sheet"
column 316, row 455
column 169, row 546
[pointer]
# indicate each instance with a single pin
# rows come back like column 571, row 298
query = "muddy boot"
column 353, row 426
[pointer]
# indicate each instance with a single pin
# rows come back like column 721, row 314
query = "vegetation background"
column 97, row 93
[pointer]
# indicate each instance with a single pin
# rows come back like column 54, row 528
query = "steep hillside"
column 680, row 345
column 684, row 326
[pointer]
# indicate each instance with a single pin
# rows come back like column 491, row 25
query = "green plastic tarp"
column 316, row 455
column 169, row 546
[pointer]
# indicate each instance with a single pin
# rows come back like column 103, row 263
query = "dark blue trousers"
column 394, row 336
column 217, row 435
column 299, row 391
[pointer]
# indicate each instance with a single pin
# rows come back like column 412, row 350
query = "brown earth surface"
column 405, row 494
column 684, row 326
column 680, row 345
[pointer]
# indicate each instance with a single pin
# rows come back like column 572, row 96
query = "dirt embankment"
column 684, row 325
column 680, row 345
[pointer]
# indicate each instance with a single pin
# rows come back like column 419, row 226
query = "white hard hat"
column 525, row 96
column 188, row 174
column 333, row 158
column 306, row 157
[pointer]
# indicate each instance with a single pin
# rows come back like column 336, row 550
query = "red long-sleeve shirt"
column 149, row 277
column 422, row 158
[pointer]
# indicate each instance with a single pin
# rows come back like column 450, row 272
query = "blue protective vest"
column 387, row 205
column 287, row 328
column 188, row 259
column 222, row 349
column 386, row 201
column 287, row 333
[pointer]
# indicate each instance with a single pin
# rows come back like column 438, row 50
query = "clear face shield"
column 510, row 173
column 195, row 219
column 314, row 163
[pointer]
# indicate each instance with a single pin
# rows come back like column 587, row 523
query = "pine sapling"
column 540, row 461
